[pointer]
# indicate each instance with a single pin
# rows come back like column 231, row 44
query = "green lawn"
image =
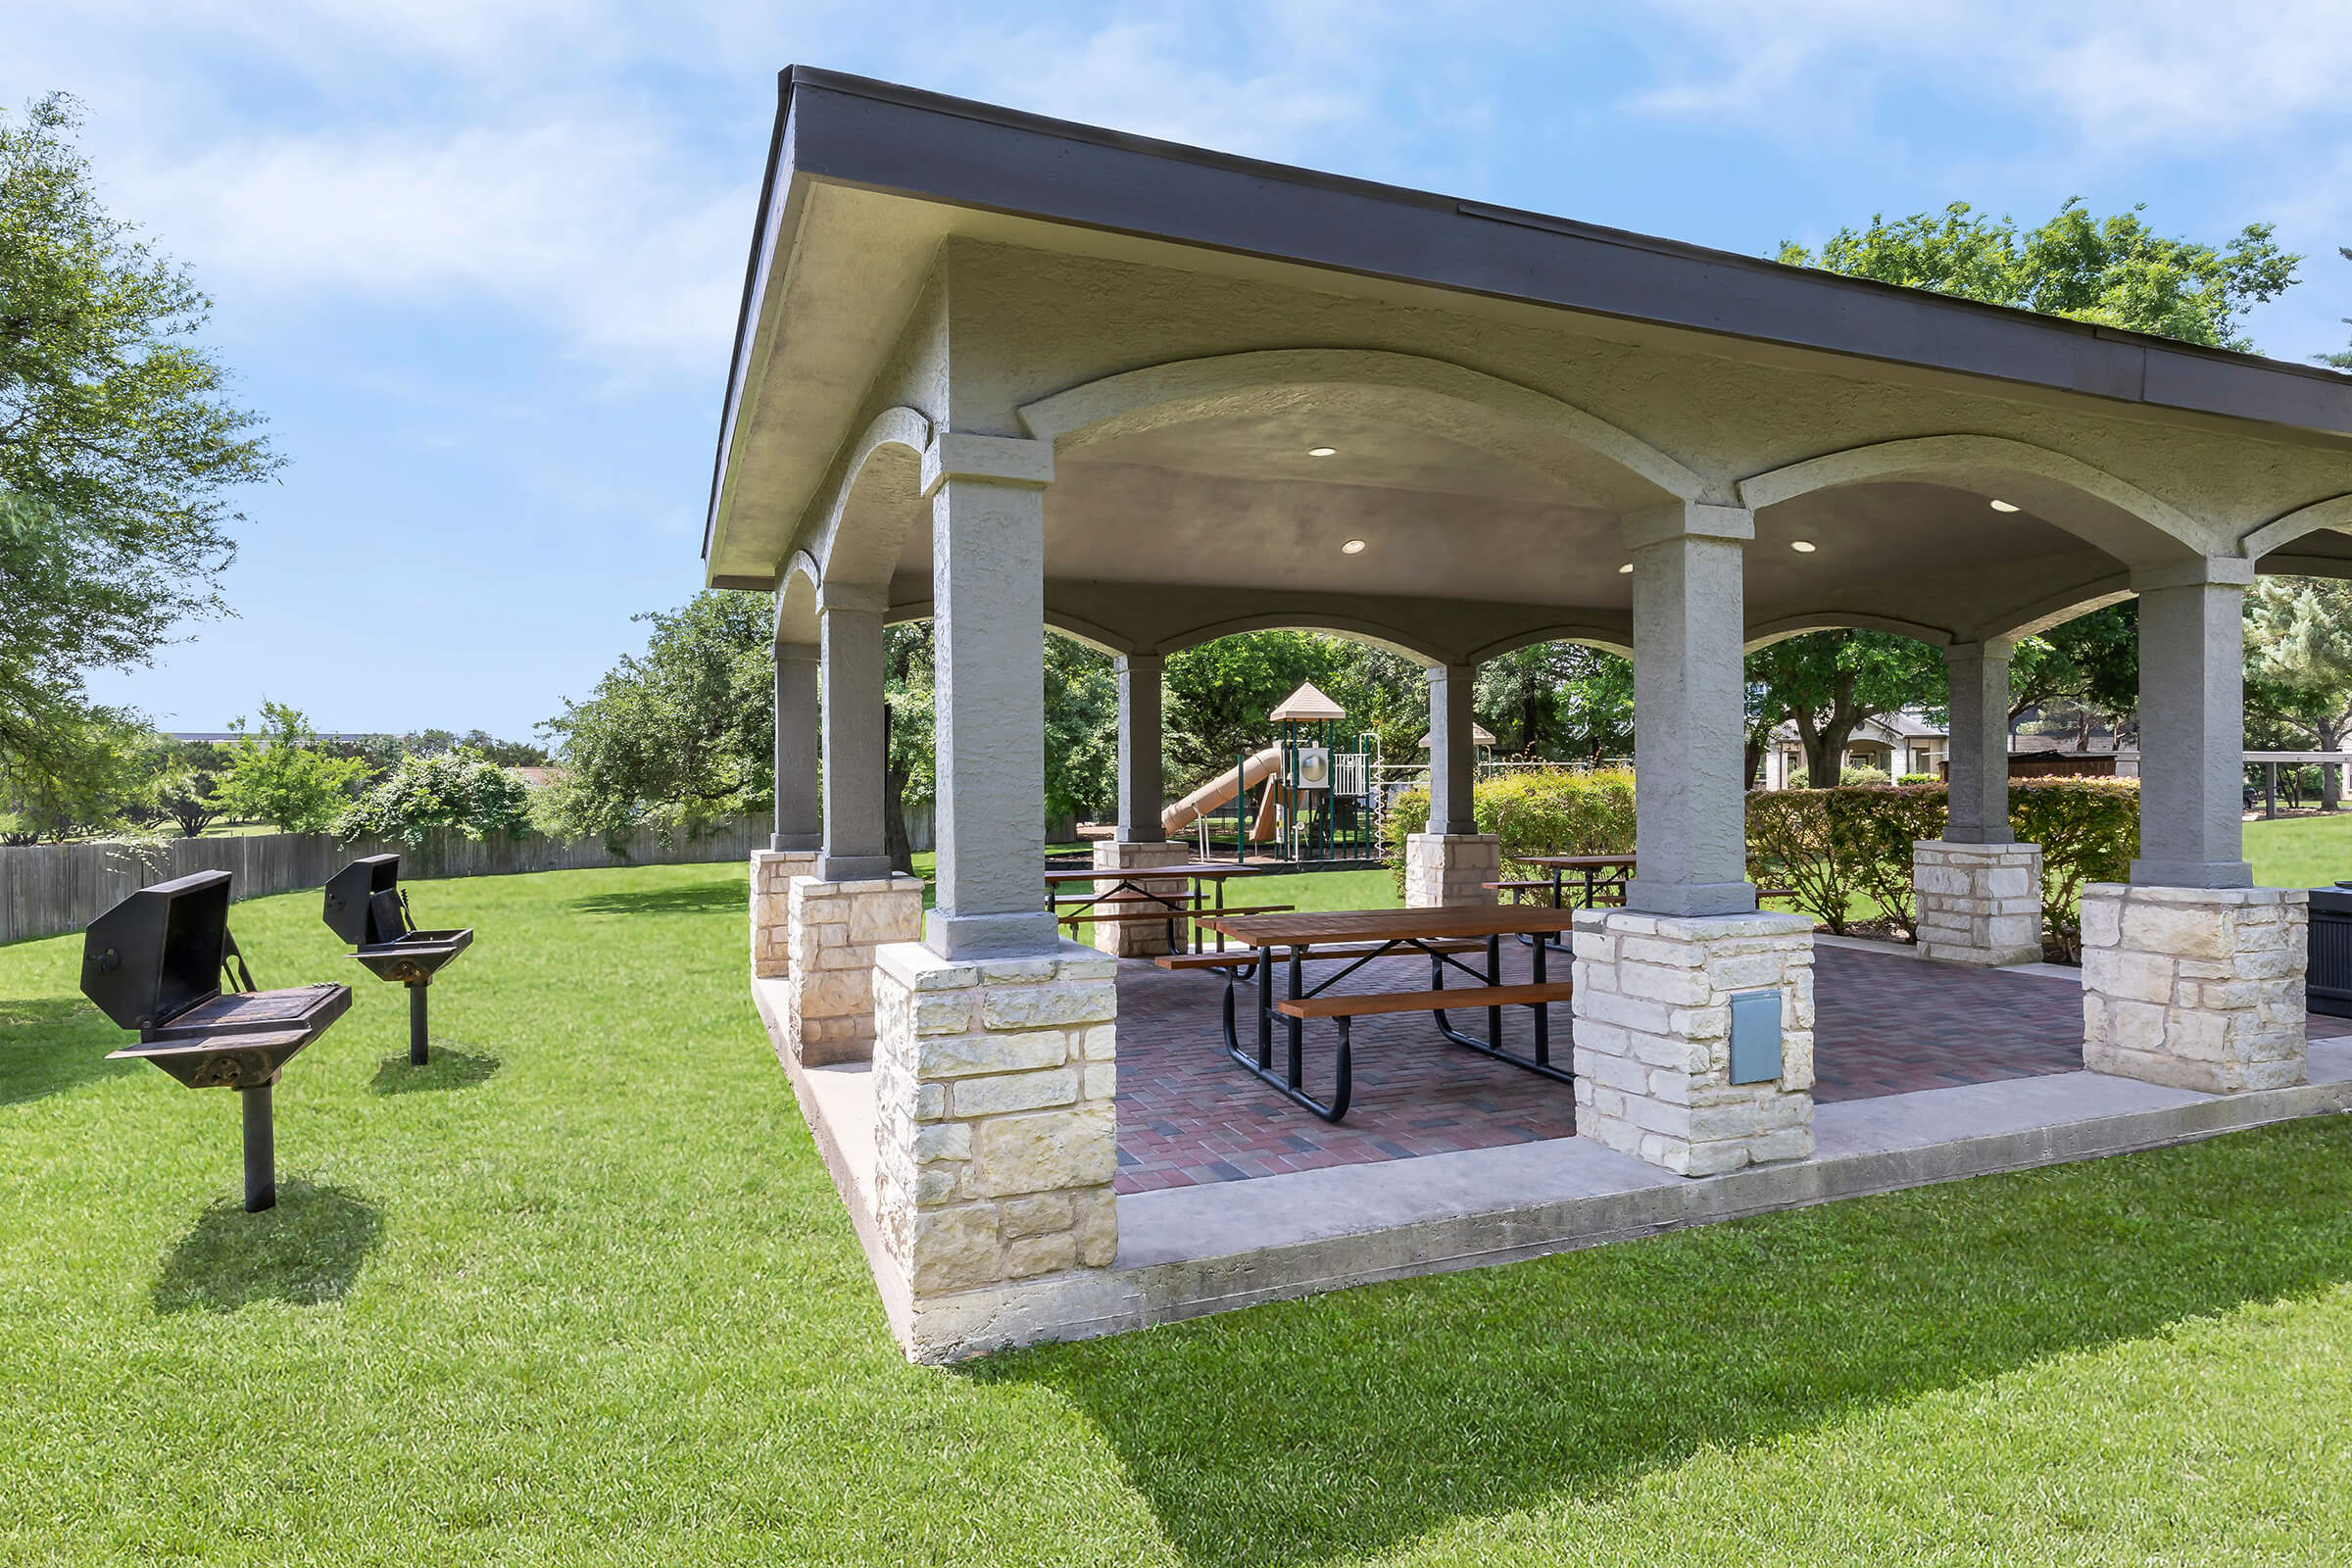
column 2300, row 852
column 581, row 1294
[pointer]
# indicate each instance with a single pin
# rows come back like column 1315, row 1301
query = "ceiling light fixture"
column 1322, row 452
column 2004, row 505
column 1353, row 547
column 1626, row 570
column 1804, row 547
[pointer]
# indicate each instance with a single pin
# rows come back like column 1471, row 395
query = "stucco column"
column 800, row 824
column 1690, row 717
column 1978, row 893
column 850, row 624
column 988, row 598
column 1451, row 864
column 2192, row 976
column 1140, row 783
column 2192, row 725
column 1452, row 753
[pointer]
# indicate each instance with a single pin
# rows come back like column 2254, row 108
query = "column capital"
column 795, row 653
column 852, row 599
column 2209, row 571
column 1688, row 520
column 993, row 459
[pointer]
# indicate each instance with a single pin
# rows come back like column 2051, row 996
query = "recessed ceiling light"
column 1322, row 452
column 2004, row 505
column 1804, row 547
column 1626, row 570
column 1353, row 547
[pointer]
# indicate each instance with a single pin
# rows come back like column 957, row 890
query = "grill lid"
column 158, row 952
column 353, row 910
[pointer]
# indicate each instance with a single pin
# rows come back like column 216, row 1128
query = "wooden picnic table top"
column 1205, row 872
column 1575, row 862
column 1313, row 927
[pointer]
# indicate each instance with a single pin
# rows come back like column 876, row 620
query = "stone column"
column 2192, row 976
column 1658, row 983
column 1141, row 787
column 1450, row 864
column 799, row 820
column 1978, row 893
column 994, row 1065
column 850, row 901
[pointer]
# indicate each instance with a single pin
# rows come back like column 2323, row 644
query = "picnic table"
column 1443, row 936
column 1118, row 895
column 1604, row 882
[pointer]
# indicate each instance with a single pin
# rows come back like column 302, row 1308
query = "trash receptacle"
column 2328, row 982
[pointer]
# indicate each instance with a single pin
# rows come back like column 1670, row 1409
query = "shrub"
column 2088, row 830
column 458, row 791
column 1860, row 775
column 1919, row 778
column 1534, row 811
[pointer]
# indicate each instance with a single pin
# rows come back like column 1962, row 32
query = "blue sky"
column 477, row 261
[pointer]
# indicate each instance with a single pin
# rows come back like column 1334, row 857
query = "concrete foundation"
column 772, row 872
column 994, row 1138
column 1139, row 939
column 1448, row 870
column 1653, row 1038
column 835, row 928
column 1979, row 904
column 2198, row 988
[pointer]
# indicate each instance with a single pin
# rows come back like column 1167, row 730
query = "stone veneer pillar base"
column 1139, row 939
column 1446, row 870
column 829, row 993
column 2198, row 988
column 1979, row 904
column 995, row 1133
column 1653, row 1028
column 772, row 872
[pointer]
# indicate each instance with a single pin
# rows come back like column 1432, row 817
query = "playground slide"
column 1220, row 790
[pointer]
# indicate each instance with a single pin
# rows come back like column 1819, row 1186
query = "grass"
column 2301, row 852
column 582, row 1293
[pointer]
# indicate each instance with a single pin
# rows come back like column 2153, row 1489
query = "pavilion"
column 1008, row 373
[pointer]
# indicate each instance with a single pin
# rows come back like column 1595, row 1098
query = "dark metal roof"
column 857, row 132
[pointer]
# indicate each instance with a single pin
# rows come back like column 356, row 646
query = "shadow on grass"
column 447, row 1069
column 53, row 1044
column 1355, row 1421
column 306, row 1252
column 697, row 900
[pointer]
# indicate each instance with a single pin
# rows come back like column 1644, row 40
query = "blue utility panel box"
column 1755, row 1037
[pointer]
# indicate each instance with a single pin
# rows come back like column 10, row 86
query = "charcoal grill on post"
column 2327, row 980
column 366, row 907
column 162, row 963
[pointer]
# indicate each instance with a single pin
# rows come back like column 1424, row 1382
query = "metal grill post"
column 261, row 1149
column 419, row 1052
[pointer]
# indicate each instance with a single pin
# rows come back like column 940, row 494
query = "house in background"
column 1895, row 744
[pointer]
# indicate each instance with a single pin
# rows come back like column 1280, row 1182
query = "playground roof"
column 1479, row 736
column 1267, row 396
column 1306, row 706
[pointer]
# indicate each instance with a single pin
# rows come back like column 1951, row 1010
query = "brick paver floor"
column 1885, row 1024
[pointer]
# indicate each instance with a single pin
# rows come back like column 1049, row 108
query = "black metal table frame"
column 1594, row 882
column 1290, row 1082
column 1193, row 904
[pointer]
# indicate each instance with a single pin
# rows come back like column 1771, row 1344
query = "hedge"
column 1831, row 847
column 1534, row 811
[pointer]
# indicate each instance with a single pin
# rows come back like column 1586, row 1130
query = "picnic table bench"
column 1101, row 903
column 1291, row 940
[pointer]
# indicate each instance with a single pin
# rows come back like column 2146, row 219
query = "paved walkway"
column 1885, row 1024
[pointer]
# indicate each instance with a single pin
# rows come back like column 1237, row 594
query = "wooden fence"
column 49, row 887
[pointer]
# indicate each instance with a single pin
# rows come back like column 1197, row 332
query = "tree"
column 2343, row 361
column 118, row 446
column 184, row 790
column 2114, row 271
column 1220, row 694
column 1082, row 730
column 681, row 736
column 456, row 791
column 2092, row 661
column 1830, row 682
column 94, row 780
column 280, row 776
column 2299, row 664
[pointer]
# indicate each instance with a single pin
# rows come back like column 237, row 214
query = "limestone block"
column 1044, row 1005
column 1047, row 1150
column 953, row 1248
column 1004, row 1094
column 964, row 1055
column 2197, row 988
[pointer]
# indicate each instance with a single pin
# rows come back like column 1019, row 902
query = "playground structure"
column 1316, row 803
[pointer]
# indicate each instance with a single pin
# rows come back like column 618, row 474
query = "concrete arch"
column 1616, row 640
column 795, row 602
column 1101, row 639
column 1388, row 638
column 1480, row 411
column 1782, row 627
column 2056, row 610
column 2334, row 513
column 880, row 490
column 2151, row 531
